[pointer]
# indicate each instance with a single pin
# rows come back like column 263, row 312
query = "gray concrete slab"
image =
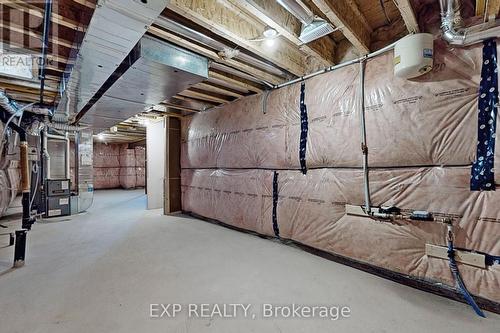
column 100, row 271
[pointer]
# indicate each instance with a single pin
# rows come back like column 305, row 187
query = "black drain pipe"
column 20, row 247
column 45, row 46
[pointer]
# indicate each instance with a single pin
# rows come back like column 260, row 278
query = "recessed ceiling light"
column 270, row 32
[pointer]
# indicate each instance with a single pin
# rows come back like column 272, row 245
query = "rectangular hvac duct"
column 115, row 28
column 157, row 71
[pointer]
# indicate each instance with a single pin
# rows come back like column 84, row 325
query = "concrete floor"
column 100, row 271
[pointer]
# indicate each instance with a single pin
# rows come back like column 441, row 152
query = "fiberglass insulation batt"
column 421, row 136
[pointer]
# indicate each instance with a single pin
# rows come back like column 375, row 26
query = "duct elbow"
column 453, row 37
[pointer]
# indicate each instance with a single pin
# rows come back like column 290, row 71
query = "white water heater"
column 413, row 55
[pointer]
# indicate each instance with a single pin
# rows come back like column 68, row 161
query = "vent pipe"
column 451, row 26
column 298, row 9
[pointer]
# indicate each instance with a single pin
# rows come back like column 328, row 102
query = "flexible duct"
column 5, row 102
column 454, row 34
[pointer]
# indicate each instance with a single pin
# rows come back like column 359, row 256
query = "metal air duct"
column 114, row 30
column 454, row 34
column 157, row 71
column 216, row 45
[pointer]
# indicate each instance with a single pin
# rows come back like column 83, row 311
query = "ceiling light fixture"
column 269, row 35
column 270, row 32
column 100, row 137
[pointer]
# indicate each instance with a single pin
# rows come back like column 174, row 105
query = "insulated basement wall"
column 116, row 166
column 421, row 137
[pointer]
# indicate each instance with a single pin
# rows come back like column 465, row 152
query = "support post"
column 20, row 248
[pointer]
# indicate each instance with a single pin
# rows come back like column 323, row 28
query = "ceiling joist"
column 230, row 22
column 170, row 37
column 408, row 15
column 275, row 16
column 345, row 15
column 39, row 12
column 492, row 10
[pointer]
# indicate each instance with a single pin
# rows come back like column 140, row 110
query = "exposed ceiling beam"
column 36, row 35
column 229, row 21
column 232, row 81
column 168, row 36
column 39, row 12
column 203, row 96
column 408, row 15
column 275, row 16
column 228, row 85
column 178, row 107
column 345, row 15
column 86, row 3
column 8, row 81
column 209, row 87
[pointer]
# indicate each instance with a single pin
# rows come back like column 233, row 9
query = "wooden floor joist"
column 345, row 15
column 38, row 36
column 408, row 15
column 231, row 23
column 232, row 81
column 203, row 96
column 39, row 12
column 275, row 16
column 170, row 37
column 209, row 87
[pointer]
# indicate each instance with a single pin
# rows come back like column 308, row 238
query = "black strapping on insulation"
column 275, row 205
column 304, row 127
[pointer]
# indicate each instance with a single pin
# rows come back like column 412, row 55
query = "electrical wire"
column 19, row 112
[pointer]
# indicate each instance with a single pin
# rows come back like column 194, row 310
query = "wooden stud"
column 464, row 257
